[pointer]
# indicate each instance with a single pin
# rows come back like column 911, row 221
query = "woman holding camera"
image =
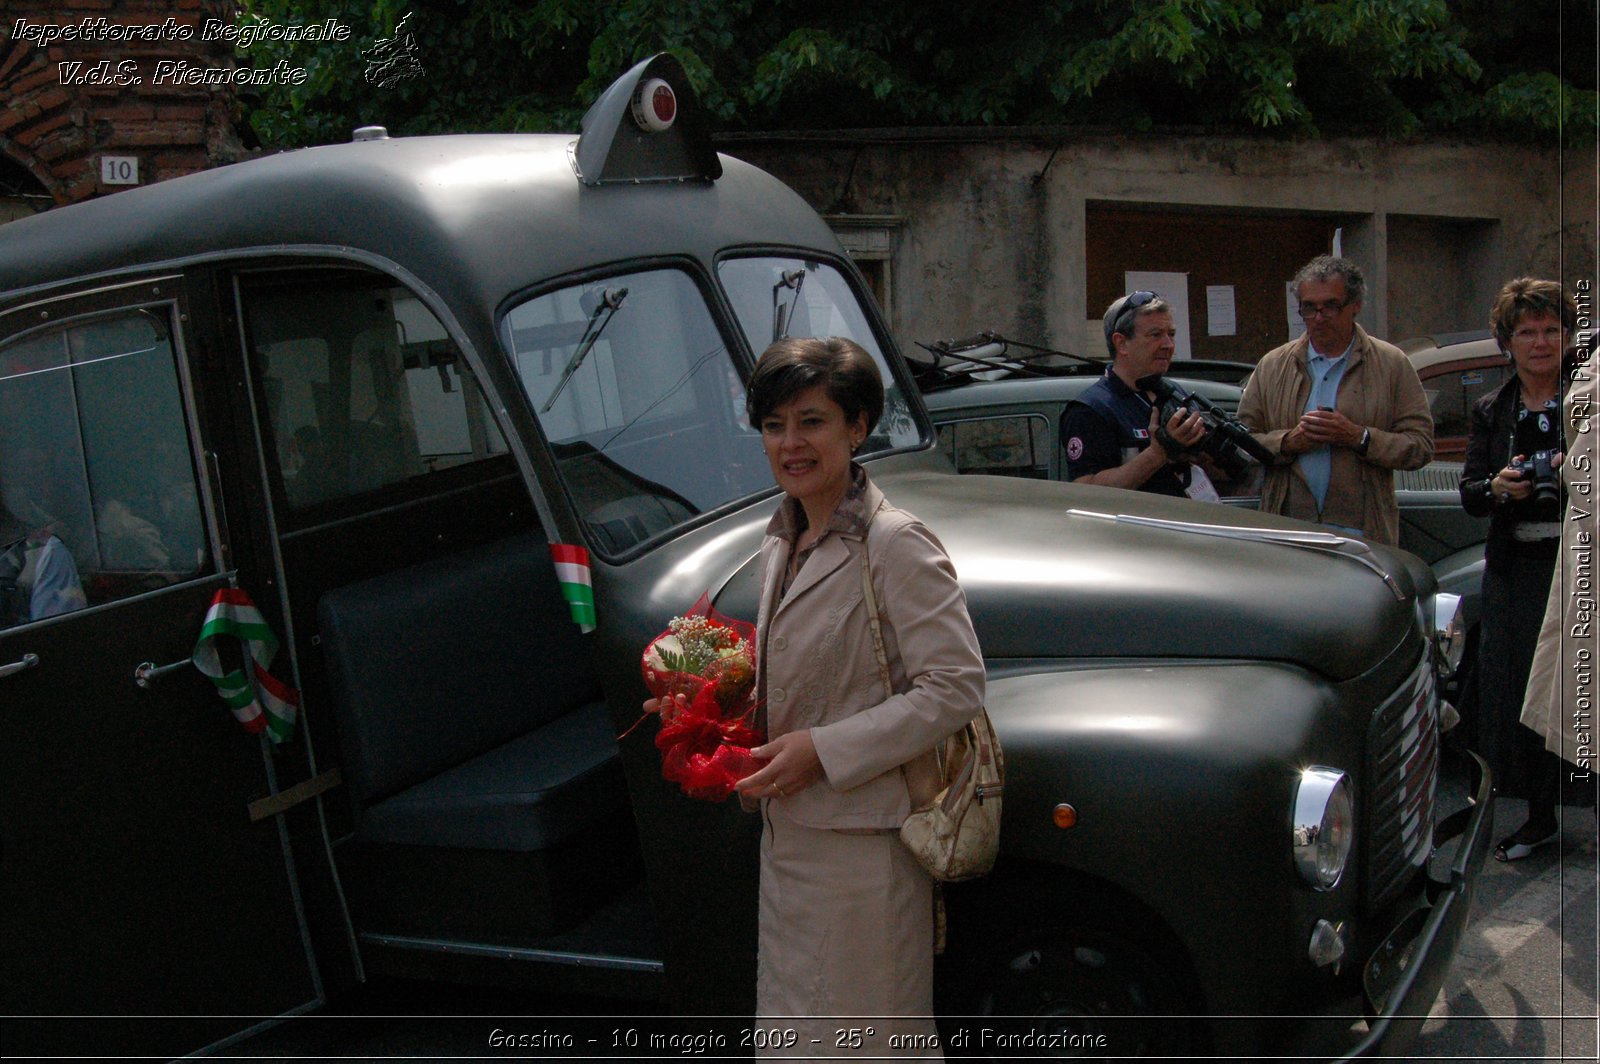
column 1509, row 474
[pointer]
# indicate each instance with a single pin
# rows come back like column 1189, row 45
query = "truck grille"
column 1402, row 777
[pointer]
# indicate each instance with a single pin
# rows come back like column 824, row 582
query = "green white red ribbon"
column 259, row 701
column 572, row 569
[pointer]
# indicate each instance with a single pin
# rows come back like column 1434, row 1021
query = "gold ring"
column 779, row 790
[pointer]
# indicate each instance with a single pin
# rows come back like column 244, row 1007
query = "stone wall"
column 989, row 230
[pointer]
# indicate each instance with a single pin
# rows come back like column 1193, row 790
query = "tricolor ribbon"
column 572, row 569
column 259, row 701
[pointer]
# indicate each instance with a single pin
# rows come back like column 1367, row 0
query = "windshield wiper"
column 610, row 302
column 1323, row 542
column 782, row 316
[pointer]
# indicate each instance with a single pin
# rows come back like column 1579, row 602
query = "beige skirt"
column 845, row 944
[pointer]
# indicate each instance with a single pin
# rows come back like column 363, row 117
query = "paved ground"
column 1524, row 984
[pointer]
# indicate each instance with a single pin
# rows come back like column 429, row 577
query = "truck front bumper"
column 1404, row 974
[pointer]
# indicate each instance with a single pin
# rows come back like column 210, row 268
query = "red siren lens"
column 655, row 106
column 664, row 103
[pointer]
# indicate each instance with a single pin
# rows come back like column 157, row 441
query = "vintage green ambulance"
column 357, row 401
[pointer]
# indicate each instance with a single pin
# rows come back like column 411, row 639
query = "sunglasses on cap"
column 1122, row 312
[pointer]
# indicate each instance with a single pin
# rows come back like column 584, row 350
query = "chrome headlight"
column 1449, row 632
column 1324, row 826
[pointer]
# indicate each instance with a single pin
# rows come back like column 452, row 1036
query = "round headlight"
column 1324, row 826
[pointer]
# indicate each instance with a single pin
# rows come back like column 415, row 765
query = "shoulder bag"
column 956, row 835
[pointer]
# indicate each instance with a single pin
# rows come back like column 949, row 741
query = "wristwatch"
column 1366, row 441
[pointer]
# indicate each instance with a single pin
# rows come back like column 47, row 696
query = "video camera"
column 1226, row 440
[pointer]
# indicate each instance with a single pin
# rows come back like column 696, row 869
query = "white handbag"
column 956, row 834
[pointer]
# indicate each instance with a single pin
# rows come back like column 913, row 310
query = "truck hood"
column 1049, row 573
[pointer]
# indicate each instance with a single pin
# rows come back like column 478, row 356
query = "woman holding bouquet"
column 846, row 913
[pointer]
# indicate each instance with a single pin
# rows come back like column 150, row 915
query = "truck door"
column 136, row 888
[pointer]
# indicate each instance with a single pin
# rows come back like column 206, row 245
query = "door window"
column 1452, row 391
column 363, row 387
column 98, row 493
column 1016, row 446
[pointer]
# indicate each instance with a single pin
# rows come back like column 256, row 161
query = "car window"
column 98, row 495
column 1452, row 391
column 776, row 297
column 363, row 387
column 1017, row 446
column 639, row 396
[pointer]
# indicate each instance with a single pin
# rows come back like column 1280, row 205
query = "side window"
column 363, row 388
column 1452, row 392
column 1016, row 446
column 98, row 494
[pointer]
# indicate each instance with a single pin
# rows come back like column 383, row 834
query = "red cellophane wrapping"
column 709, row 659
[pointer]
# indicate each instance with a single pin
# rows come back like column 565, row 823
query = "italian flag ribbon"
column 572, row 569
column 259, row 700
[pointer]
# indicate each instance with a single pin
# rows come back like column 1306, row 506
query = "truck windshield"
column 779, row 296
column 639, row 396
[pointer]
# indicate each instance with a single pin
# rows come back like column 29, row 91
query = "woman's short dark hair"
column 790, row 366
column 1529, row 297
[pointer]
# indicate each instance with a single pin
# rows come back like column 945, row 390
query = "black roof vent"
column 648, row 126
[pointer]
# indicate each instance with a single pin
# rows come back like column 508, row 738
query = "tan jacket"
column 1380, row 391
column 819, row 669
column 1559, row 702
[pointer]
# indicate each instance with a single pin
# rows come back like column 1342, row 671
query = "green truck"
column 366, row 397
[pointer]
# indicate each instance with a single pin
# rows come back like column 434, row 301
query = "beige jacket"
column 819, row 670
column 1380, row 391
column 1560, row 701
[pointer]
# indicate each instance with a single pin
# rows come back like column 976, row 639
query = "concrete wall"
column 987, row 231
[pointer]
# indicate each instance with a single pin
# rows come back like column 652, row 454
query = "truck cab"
column 426, row 438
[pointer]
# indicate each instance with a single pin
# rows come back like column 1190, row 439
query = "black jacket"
column 1490, row 449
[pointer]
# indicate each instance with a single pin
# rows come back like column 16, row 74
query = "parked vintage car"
column 1457, row 369
column 379, row 391
column 1005, row 420
column 1009, row 425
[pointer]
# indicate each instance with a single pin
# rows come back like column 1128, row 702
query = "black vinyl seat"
column 470, row 721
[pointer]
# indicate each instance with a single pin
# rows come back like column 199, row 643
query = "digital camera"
column 1537, row 469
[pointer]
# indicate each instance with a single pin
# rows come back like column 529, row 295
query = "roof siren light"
column 655, row 106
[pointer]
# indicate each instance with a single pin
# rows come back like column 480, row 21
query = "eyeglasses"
column 1327, row 310
column 1130, row 306
column 1531, row 333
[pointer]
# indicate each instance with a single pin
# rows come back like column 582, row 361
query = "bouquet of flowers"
column 705, row 739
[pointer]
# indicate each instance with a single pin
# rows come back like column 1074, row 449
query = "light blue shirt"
column 1326, row 373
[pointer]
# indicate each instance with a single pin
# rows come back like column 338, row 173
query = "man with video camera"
column 1114, row 433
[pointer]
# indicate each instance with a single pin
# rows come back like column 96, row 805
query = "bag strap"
column 871, row 600
column 870, row 597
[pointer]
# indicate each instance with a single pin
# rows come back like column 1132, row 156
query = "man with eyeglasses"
column 1340, row 409
column 1112, row 432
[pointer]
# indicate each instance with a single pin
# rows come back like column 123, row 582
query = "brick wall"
column 58, row 130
